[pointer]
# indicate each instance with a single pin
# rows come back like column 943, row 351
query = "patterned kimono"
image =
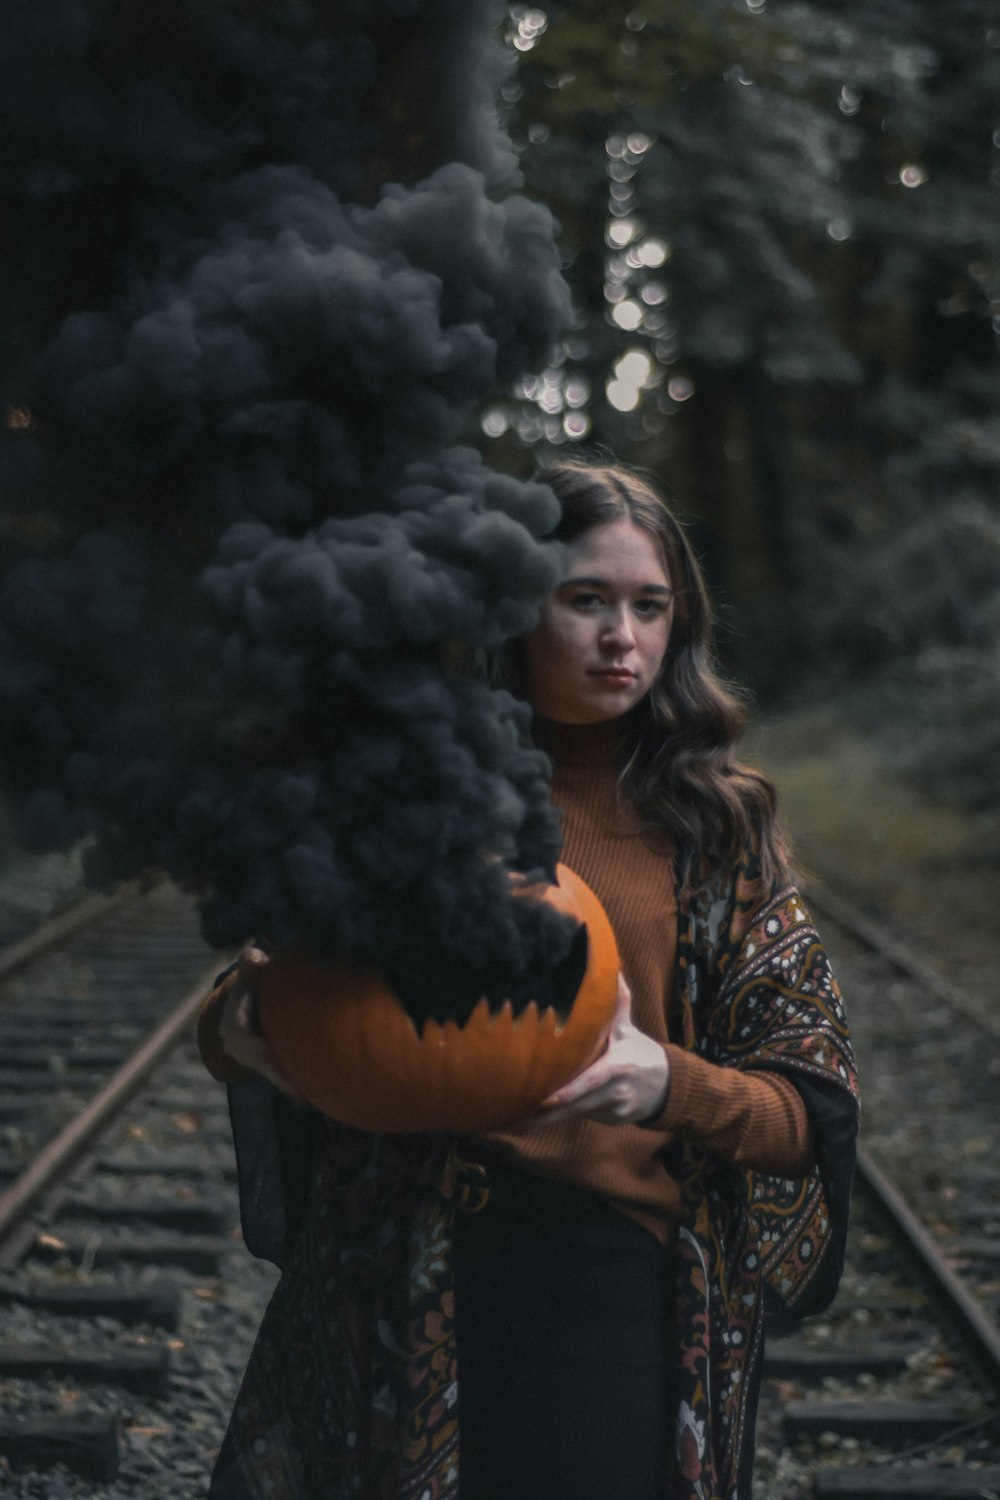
column 352, row 1387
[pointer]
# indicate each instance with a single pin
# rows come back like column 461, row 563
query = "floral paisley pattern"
column 755, row 990
column 352, row 1388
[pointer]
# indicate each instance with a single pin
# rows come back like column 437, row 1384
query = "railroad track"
column 127, row 1304
column 894, row 1392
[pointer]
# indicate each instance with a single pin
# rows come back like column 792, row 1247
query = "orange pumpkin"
column 345, row 1041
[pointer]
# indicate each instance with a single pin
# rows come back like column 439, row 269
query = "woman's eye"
column 587, row 601
column 651, row 606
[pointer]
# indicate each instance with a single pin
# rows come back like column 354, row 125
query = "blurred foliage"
column 780, row 220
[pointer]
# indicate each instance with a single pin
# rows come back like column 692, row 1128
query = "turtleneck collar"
column 580, row 745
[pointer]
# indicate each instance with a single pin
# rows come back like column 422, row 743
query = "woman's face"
column 604, row 631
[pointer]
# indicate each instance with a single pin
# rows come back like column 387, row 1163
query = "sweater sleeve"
column 755, row 1118
column 213, row 1054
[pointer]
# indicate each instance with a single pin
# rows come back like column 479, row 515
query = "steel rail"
column 819, row 897
column 81, row 913
column 56, row 1158
column 982, row 1336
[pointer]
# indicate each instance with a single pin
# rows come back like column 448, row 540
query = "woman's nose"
column 619, row 633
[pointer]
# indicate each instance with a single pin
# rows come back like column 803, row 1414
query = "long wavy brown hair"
column 679, row 764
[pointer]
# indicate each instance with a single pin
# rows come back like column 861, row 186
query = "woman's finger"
column 252, row 958
column 601, row 1102
column 566, row 1101
column 240, row 1003
column 244, row 1043
column 627, row 1082
column 238, row 1008
column 623, row 1001
column 604, row 1069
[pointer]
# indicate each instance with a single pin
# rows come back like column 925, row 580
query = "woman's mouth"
column 615, row 676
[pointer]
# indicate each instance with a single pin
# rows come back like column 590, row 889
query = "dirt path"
column 929, row 872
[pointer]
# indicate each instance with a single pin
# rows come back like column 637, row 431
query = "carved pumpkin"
column 345, row 1041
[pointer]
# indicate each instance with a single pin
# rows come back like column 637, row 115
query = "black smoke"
column 263, row 260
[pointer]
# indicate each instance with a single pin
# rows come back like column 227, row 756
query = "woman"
column 601, row 1270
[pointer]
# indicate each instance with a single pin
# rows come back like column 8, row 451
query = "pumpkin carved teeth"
column 352, row 1050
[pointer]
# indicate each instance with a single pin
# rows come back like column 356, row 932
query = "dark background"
column 778, row 219
column 819, row 343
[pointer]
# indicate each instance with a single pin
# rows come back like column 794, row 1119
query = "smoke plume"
column 264, row 259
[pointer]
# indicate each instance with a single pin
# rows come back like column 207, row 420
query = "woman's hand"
column 238, row 1028
column 626, row 1084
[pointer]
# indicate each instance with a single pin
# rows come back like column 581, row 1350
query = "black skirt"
column 561, row 1316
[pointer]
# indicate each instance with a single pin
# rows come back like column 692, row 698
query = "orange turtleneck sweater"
column 754, row 1119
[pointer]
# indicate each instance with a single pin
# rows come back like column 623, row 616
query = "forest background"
column 780, row 223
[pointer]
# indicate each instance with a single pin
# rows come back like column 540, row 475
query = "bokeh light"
column 528, row 25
